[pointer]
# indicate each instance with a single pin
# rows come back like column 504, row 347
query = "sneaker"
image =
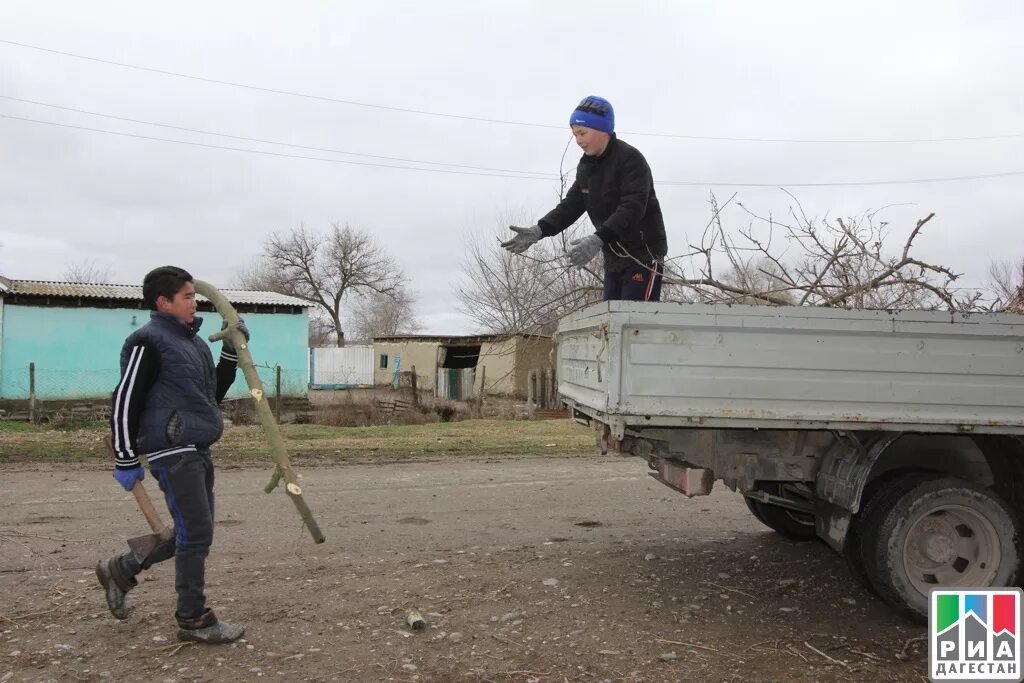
column 114, row 586
column 206, row 628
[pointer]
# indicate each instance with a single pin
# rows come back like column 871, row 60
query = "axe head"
column 144, row 546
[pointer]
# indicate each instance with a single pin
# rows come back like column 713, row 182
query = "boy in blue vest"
column 167, row 405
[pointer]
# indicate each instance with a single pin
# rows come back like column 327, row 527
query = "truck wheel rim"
column 951, row 546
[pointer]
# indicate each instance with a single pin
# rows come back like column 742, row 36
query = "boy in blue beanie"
column 615, row 187
column 167, row 406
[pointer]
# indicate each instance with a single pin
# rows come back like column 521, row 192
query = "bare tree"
column 321, row 333
column 383, row 315
column 259, row 276
column 86, row 271
column 326, row 270
column 1006, row 283
column 507, row 293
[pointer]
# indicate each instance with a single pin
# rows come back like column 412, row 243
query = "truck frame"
column 897, row 437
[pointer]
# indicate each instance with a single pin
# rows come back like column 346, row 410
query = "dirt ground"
column 524, row 568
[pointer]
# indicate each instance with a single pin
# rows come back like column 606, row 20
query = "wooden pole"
column 252, row 378
column 531, row 378
column 415, row 390
column 32, row 393
column 483, row 389
column 545, row 401
column 277, row 394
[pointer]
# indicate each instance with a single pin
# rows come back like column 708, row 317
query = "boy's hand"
column 228, row 345
column 524, row 239
column 581, row 251
column 127, row 478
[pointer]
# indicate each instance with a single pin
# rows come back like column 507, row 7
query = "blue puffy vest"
column 181, row 411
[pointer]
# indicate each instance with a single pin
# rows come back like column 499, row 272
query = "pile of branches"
column 792, row 260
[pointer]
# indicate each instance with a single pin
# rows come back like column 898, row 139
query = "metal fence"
column 341, row 367
column 49, row 384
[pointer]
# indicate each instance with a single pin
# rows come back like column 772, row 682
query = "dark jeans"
column 187, row 483
column 635, row 283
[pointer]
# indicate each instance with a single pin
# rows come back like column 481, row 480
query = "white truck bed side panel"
column 753, row 366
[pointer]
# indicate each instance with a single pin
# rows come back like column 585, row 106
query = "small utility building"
column 72, row 333
column 455, row 367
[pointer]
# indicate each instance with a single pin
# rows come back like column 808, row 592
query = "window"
column 383, row 361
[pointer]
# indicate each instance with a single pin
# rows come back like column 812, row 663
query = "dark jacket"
column 616, row 190
column 167, row 401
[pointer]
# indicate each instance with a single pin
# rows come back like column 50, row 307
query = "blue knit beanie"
column 594, row 112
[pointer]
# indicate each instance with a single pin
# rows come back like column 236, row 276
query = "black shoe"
column 114, row 586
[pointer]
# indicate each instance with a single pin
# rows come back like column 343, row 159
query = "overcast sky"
column 803, row 70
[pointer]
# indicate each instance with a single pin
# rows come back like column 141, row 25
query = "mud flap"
column 832, row 523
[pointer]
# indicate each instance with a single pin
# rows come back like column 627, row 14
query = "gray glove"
column 228, row 345
column 524, row 239
column 584, row 249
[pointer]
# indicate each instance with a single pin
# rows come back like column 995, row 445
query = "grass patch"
column 28, row 443
column 16, row 426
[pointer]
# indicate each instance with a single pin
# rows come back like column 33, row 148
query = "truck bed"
column 631, row 364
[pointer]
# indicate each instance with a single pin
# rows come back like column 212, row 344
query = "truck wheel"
column 753, row 510
column 940, row 533
column 853, row 556
column 796, row 526
column 880, row 495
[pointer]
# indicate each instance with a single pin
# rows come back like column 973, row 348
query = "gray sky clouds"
column 736, row 69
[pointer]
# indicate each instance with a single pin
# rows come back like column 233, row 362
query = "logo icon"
column 974, row 635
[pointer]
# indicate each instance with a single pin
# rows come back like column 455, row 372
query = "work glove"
column 581, row 251
column 228, row 344
column 127, row 478
column 524, row 239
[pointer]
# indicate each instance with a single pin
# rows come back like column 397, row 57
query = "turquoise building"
column 73, row 333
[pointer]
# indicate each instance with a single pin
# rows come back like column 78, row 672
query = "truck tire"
column 754, row 511
column 878, row 495
column 796, row 526
column 942, row 532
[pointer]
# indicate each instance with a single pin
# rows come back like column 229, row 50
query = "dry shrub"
column 347, row 415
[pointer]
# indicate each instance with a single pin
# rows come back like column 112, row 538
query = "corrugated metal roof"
column 134, row 292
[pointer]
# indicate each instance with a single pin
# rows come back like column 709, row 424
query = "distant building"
column 73, row 333
column 453, row 367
